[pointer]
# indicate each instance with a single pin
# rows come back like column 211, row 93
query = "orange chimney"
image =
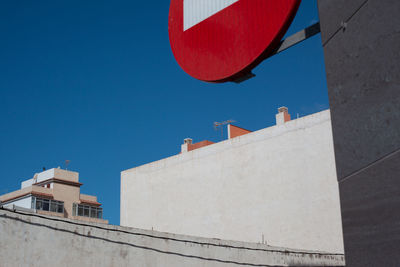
column 282, row 116
column 186, row 143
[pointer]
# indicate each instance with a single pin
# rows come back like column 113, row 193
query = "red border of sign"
column 271, row 48
column 177, row 35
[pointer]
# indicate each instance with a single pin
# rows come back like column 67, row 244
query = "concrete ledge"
column 47, row 241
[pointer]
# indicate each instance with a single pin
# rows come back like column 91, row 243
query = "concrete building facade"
column 276, row 186
column 55, row 192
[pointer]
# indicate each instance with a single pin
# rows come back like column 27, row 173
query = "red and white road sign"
column 222, row 40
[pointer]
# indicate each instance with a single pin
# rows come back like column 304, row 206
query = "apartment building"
column 55, row 192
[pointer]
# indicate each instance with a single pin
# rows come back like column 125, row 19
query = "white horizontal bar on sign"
column 196, row 11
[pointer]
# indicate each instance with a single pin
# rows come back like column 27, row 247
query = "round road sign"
column 223, row 40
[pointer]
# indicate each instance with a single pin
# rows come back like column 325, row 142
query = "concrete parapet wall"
column 36, row 240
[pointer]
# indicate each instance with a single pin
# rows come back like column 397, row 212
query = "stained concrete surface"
column 36, row 240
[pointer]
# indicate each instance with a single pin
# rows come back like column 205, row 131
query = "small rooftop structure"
column 282, row 117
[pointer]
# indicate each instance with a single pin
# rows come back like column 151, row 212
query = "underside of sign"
column 223, row 40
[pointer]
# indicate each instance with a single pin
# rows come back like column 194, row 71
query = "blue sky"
column 95, row 82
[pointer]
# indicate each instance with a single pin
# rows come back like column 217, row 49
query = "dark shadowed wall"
column 361, row 40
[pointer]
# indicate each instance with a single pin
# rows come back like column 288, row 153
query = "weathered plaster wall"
column 32, row 240
column 276, row 185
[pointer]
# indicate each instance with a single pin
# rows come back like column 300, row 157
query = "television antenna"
column 35, row 178
column 219, row 125
column 67, row 163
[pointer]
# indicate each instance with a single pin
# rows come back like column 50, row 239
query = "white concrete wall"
column 28, row 239
column 277, row 184
column 43, row 176
column 52, row 173
column 25, row 202
column 27, row 183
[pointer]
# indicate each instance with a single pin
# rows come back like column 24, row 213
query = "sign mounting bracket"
column 297, row 38
column 286, row 44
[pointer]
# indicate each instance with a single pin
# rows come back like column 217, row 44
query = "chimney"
column 282, row 116
column 185, row 145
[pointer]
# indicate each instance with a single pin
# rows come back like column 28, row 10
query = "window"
column 47, row 205
column 87, row 211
